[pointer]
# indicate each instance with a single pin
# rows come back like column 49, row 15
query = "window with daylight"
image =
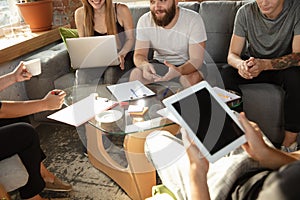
column 9, row 14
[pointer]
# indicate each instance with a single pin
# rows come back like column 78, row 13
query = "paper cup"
column 33, row 66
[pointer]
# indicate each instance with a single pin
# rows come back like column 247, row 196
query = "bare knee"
column 191, row 79
column 136, row 74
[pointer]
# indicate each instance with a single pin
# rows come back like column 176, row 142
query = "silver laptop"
column 94, row 51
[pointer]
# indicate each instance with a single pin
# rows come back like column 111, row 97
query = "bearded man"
column 177, row 36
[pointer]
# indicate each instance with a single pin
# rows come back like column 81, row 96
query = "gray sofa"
column 263, row 103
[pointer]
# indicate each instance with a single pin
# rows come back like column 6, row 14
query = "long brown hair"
column 110, row 18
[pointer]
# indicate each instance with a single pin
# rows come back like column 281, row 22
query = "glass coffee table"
column 117, row 148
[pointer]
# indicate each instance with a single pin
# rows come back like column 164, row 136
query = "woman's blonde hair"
column 110, row 18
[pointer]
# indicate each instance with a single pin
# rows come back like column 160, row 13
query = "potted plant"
column 37, row 13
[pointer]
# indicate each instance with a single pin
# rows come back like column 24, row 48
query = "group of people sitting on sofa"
column 268, row 31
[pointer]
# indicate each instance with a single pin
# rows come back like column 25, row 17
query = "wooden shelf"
column 11, row 49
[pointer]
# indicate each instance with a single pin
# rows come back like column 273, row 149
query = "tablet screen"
column 206, row 117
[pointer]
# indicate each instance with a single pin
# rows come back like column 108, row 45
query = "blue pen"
column 165, row 92
column 133, row 92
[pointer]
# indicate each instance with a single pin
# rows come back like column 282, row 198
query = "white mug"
column 33, row 66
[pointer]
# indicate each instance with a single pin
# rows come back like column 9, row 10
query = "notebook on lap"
column 95, row 51
column 209, row 122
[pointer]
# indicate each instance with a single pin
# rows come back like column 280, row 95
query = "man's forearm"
column 274, row 159
column 188, row 68
column 139, row 60
column 286, row 61
column 199, row 187
column 234, row 60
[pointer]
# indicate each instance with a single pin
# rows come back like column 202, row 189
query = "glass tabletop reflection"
column 118, row 120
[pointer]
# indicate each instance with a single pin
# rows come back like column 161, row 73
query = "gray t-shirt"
column 172, row 44
column 268, row 38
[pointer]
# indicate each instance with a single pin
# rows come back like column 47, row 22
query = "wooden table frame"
column 139, row 176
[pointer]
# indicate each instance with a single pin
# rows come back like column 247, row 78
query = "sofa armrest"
column 269, row 116
column 55, row 62
column 13, row 174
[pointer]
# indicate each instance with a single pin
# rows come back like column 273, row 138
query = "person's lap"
column 168, row 156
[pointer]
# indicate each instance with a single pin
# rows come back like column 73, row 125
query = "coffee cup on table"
column 33, row 66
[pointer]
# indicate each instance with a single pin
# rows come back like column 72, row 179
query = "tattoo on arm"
column 286, row 61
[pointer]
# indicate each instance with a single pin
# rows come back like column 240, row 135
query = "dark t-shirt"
column 268, row 38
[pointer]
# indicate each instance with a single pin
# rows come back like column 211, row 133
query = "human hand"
column 21, row 73
column 255, row 145
column 149, row 72
column 198, row 163
column 258, row 67
column 122, row 61
column 54, row 99
column 243, row 68
column 172, row 73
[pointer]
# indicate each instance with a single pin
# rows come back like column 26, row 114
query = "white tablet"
column 207, row 119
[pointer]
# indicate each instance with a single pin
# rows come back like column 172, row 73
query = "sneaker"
column 85, row 153
column 293, row 147
column 58, row 186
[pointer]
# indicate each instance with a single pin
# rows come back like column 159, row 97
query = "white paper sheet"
column 225, row 95
column 130, row 91
column 83, row 110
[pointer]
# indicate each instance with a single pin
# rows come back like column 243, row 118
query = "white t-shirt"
column 172, row 44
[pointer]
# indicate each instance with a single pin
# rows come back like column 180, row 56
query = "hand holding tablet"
column 208, row 121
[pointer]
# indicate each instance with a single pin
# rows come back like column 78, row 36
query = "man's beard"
column 169, row 15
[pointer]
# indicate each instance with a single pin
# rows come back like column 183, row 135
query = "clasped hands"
column 251, row 68
column 150, row 74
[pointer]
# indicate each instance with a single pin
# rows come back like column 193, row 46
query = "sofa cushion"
column 218, row 27
column 137, row 11
column 190, row 5
column 263, row 104
column 13, row 174
column 65, row 81
column 55, row 62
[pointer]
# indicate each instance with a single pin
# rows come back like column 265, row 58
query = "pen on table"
column 133, row 92
column 157, row 76
column 165, row 92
